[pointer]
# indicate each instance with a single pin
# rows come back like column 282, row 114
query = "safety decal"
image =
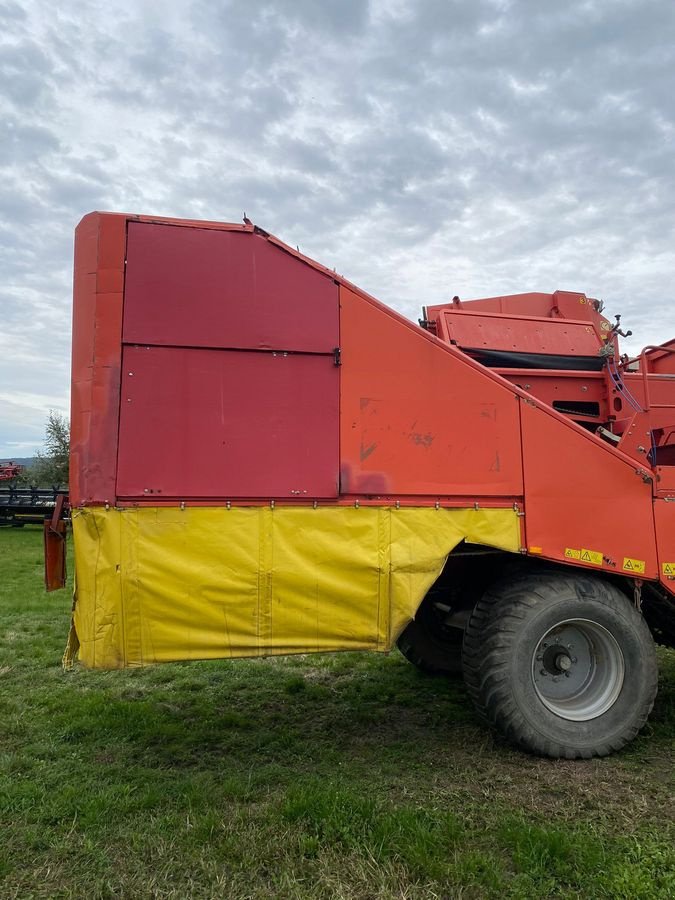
column 668, row 568
column 634, row 565
column 591, row 556
column 572, row 554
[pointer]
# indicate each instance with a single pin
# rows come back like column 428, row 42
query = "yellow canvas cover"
column 165, row 584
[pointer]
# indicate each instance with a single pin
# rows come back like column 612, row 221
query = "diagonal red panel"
column 225, row 424
column 580, row 495
column 416, row 418
column 201, row 287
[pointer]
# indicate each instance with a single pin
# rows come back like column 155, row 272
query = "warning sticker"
column 668, row 568
column 634, row 565
column 591, row 556
column 572, row 554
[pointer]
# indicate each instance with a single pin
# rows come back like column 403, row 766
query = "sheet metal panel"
column 96, row 357
column 417, row 419
column 200, row 287
column 584, row 505
column 664, row 517
column 521, row 334
column 225, row 424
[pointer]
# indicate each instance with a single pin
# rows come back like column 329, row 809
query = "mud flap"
column 55, row 549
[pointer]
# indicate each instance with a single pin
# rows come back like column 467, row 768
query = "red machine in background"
column 9, row 471
column 26, row 505
column 265, row 459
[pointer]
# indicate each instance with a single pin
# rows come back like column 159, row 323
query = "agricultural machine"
column 9, row 471
column 24, row 505
column 267, row 460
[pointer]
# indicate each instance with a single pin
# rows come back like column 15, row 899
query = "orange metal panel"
column 417, row 417
column 525, row 334
column 560, row 304
column 584, row 504
column 664, row 518
column 561, row 387
column 96, row 354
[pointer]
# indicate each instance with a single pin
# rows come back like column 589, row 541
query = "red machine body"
column 266, row 459
column 229, row 367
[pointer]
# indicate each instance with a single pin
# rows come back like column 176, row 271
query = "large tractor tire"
column 562, row 665
column 429, row 643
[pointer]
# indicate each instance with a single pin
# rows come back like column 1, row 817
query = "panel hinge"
column 337, row 356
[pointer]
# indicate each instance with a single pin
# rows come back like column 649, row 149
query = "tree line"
column 50, row 465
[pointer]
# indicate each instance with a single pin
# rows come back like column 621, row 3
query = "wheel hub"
column 578, row 670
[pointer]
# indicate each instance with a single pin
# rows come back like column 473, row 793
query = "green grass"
column 346, row 776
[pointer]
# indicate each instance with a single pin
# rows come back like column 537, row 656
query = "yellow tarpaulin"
column 165, row 584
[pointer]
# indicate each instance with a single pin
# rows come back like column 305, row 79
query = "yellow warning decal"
column 634, row 565
column 572, row 554
column 668, row 568
column 591, row 556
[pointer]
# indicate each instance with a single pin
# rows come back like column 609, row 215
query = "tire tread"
column 487, row 648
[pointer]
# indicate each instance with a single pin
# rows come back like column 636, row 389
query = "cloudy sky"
column 424, row 148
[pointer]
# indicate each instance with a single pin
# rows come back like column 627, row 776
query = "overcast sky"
column 423, row 149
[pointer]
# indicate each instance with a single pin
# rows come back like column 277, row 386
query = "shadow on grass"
column 276, row 711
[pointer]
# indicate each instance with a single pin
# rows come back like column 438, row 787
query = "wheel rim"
column 578, row 670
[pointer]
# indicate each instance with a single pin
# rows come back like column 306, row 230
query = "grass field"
column 346, row 776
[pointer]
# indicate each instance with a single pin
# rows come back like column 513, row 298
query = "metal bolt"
column 567, row 674
column 574, row 659
column 544, row 672
column 556, row 678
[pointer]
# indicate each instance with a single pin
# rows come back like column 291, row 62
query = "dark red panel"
column 209, row 288
column 216, row 423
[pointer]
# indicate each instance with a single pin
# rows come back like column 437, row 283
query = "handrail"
column 644, row 367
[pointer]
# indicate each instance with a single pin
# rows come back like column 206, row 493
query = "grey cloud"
column 11, row 14
column 21, row 143
column 342, row 17
column 24, row 72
